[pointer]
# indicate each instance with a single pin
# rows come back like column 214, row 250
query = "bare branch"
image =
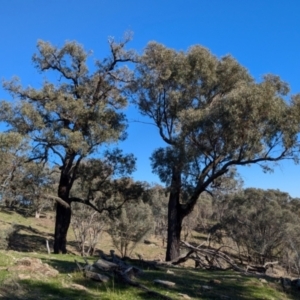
column 59, row 200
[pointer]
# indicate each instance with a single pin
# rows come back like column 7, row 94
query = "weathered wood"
column 120, row 270
column 80, row 267
column 211, row 254
column 259, row 269
column 48, row 248
column 105, row 265
column 164, row 283
column 96, row 276
column 117, row 260
column 132, row 272
column 91, row 268
column 85, row 260
column 184, row 296
column 182, row 258
column 271, row 263
column 129, row 272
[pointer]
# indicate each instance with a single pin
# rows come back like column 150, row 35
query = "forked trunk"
column 62, row 223
column 174, row 219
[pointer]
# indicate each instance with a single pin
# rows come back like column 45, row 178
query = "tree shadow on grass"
column 224, row 285
column 32, row 240
column 35, row 290
column 6, row 210
column 114, row 288
column 15, row 209
column 216, row 285
column 62, row 266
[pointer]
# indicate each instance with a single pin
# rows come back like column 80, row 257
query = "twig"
column 48, row 248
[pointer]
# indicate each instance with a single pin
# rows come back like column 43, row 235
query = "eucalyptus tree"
column 105, row 185
column 259, row 222
column 35, row 187
column 134, row 222
column 212, row 115
column 13, row 148
column 157, row 197
column 69, row 120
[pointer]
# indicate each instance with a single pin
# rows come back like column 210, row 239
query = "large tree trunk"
column 174, row 219
column 174, row 229
column 62, row 223
column 63, row 215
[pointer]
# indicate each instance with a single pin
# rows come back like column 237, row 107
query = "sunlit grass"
column 188, row 281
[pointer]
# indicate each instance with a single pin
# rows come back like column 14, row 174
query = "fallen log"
column 119, row 269
column 96, row 276
column 182, row 258
column 271, row 263
column 258, row 269
column 211, row 255
column 164, row 283
column 105, row 265
column 79, row 266
column 132, row 272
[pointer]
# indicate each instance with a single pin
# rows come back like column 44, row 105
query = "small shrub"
column 133, row 224
column 88, row 226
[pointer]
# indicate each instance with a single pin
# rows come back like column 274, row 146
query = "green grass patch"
column 28, row 240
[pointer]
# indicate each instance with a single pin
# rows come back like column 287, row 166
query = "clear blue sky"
column 264, row 36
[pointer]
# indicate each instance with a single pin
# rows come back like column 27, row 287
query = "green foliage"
column 201, row 216
column 71, row 119
column 259, row 222
column 157, row 197
column 78, row 113
column 212, row 114
column 13, row 148
column 104, row 184
column 132, row 225
column 23, row 182
column 35, row 187
column 188, row 280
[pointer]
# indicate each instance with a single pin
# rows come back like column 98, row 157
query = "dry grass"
column 28, row 240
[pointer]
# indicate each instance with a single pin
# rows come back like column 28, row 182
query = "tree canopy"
column 210, row 112
column 260, row 222
column 69, row 120
column 212, row 115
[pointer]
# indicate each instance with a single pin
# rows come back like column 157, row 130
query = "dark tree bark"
column 63, row 210
column 174, row 229
column 62, row 223
column 175, row 218
column 177, row 211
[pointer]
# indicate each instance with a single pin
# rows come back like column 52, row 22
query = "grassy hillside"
column 23, row 281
